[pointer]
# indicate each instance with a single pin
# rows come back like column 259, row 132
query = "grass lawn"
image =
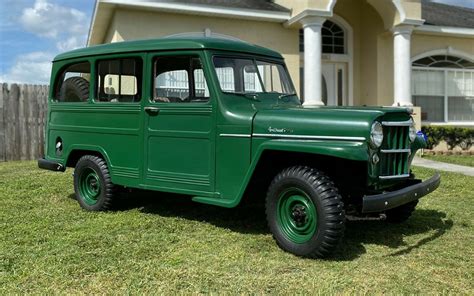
column 165, row 244
column 467, row 160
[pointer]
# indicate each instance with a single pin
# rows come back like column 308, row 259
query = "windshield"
column 245, row 76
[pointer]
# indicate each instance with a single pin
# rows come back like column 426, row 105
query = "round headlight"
column 412, row 131
column 376, row 134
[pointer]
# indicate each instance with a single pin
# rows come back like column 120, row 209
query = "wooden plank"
column 3, row 92
column 31, row 122
column 12, row 132
column 43, row 101
column 22, row 127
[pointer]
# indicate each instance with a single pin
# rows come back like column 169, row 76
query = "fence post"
column 3, row 93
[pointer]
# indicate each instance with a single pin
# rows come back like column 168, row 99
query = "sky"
column 32, row 32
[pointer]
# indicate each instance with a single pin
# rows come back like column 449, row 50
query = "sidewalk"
column 442, row 166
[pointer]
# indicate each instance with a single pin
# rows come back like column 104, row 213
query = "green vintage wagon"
column 218, row 120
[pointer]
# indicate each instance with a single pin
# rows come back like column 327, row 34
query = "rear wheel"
column 305, row 212
column 401, row 213
column 92, row 184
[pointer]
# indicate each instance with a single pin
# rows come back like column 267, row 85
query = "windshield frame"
column 254, row 59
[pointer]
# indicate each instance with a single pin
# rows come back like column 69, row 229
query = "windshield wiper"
column 286, row 95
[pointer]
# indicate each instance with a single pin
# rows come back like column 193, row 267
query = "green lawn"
column 165, row 244
column 467, row 160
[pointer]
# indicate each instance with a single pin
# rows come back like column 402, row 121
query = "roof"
column 170, row 43
column 438, row 14
column 261, row 10
column 243, row 4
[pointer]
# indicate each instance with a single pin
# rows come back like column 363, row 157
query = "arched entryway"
column 336, row 62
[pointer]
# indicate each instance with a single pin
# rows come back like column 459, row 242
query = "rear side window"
column 119, row 80
column 73, row 83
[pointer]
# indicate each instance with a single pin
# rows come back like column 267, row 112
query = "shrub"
column 467, row 138
column 453, row 136
column 433, row 136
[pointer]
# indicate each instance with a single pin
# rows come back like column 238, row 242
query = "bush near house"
column 453, row 136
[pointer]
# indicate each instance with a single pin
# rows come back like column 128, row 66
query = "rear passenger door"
column 179, row 126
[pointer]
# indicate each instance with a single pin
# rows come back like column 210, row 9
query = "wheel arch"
column 288, row 153
column 77, row 151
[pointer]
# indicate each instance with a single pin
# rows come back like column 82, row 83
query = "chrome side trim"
column 397, row 123
column 395, row 150
column 308, row 137
column 394, row 177
column 235, row 135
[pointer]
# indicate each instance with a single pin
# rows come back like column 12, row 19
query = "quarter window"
column 73, row 83
column 119, row 80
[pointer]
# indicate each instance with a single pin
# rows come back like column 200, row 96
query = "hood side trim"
column 308, row 137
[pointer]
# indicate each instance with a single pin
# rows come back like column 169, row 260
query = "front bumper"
column 50, row 165
column 389, row 200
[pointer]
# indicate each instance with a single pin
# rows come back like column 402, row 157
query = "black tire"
column 314, row 186
column 74, row 89
column 92, row 184
column 401, row 213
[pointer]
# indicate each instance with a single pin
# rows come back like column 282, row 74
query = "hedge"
column 453, row 136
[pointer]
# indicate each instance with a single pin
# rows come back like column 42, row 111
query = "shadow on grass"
column 251, row 219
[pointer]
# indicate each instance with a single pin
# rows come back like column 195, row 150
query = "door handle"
column 152, row 109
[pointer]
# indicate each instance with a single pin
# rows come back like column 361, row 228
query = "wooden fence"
column 22, row 121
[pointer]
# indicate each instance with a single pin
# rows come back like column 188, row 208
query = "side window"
column 73, row 83
column 179, row 80
column 119, row 80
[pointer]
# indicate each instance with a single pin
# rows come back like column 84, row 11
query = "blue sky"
column 32, row 32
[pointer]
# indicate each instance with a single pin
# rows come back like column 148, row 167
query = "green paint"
column 296, row 215
column 208, row 150
column 89, row 186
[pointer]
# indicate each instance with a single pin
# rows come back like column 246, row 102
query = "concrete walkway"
column 442, row 166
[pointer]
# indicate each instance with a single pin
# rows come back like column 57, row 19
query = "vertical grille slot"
column 395, row 150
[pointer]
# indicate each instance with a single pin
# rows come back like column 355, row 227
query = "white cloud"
column 71, row 43
column 53, row 21
column 64, row 27
column 31, row 68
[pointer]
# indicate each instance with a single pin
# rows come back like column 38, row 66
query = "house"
column 338, row 52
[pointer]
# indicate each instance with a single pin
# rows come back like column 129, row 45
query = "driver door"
column 179, row 126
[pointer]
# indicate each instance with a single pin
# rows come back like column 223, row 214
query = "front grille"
column 395, row 150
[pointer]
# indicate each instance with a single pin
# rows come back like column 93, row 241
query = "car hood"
column 325, row 122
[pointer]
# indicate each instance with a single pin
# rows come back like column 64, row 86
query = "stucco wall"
column 136, row 24
column 422, row 43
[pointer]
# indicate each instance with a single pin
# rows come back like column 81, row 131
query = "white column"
column 312, row 60
column 402, row 66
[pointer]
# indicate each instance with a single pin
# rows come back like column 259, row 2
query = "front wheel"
column 305, row 212
column 92, row 184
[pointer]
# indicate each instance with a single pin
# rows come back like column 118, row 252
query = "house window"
column 443, row 86
column 332, row 38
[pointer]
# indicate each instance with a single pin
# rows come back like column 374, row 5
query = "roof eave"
column 445, row 31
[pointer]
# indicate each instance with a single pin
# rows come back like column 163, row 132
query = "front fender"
column 351, row 150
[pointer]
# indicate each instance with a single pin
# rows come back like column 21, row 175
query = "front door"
column 179, row 126
column 334, row 84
